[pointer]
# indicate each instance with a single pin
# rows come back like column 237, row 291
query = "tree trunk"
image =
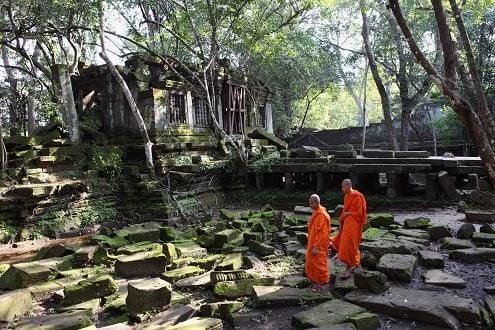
column 448, row 84
column 130, row 100
column 405, row 122
column 376, row 77
column 15, row 126
column 482, row 108
column 66, row 100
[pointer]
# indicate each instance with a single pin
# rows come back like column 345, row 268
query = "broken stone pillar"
column 431, row 186
column 260, row 182
column 447, row 185
column 67, row 104
column 474, row 181
column 320, row 182
column 148, row 294
column 393, row 186
column 289, row 181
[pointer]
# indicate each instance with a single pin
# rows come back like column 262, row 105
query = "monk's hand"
column 315, row 250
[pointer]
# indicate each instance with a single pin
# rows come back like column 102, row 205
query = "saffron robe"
column 347, row 241
column 318, row 236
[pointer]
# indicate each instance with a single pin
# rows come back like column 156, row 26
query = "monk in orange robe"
column 318, row 244
column 352, row 219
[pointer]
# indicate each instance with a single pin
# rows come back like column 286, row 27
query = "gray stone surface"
column 199, row 323
column 473, row 255
column 170, row 317
column 431, row 259
column 373, row 281
column 480, row 216
column 381, row 247
column 483, row 238
column 465, row 231
column 437, row 277
column 487, row 228
column 274, row 296
column 425, row 306
column 416, row 233
column 140, row 264
column 148, row 294
column 417, row 223
column 397, row 267
column 14, row 304
column 76, row 319
column 331, row 313
column 450, row 243
column 447, row 185
column 437, row 232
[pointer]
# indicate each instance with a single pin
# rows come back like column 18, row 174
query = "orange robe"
column 318, row 236
column 347, row 241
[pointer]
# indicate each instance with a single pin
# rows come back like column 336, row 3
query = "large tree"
column 475, row 117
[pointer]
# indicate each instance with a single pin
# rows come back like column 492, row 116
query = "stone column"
column 269, row 117
column 474, row 181
column 189, row 109
column 392, row 185
column 431, row 186
column 289, row 181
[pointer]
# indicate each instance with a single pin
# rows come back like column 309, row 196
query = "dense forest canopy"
column 310, row 53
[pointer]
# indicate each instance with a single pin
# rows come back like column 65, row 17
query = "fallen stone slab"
column 141, row 232
column 490, row 289
column 140, row 264
column 211, row 261
column 381, row 220
column 368, row 321
column 261, row 248
column 483, row 238
column 53, row 251
column 84, row 255
column 417, row 223
column 198, row 281
column 431, row 259
column 302, row 238
column 447, row 185
column 473, row 255
column 450, row 243
column 111, row 242
column 295, row 281
column 275, row 296
column 437, row 232
column 419, row 241
column 226, row 236
column 173, row 276
column 140, row 247
column 466, row 231
column 306, row 210
column 91, row 306
column 199, row 323
column 373, row 234
column 490, row 305
column 180, row 263
column 416, row 233
column 190, row 249
column 437, row 277
column 239, row 319
column 148, row 294
column 240, row 288
column 15, row 304
column 170, row 317
column 344, row 284
column 378, row 153
column 76, row 319
column 222, row 310
column 386, row 246
column 368, row 260
column 373, row 281
column 399, row 267
column 412, row 154
column 330, row 313
column 235, row 275
column 93, row 287
column 24, row 275
column 480, row 216
column 487, row 228
column 262, row 134
column 425, row 306
column 231, row 261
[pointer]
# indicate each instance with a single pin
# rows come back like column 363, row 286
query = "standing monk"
column 352, row 219
column 318, row 244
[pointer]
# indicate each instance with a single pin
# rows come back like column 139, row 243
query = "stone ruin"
column 246, row 267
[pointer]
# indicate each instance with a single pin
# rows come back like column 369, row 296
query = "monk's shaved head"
column 347, row 182
column 314, row 198
column 314, row 201
column 346, row 186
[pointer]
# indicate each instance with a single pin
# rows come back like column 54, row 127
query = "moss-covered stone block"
column 93, row 287
column 222, row 309
column 417, row 223
column 140, row 264
column 227, row 214
column 140, row 247
column 104, row 256
column 52, row 251
column 148, row 294
column 24, row 275
column 180, row 273
column 111, row 242
column 170, row 252
column 240, row 288
column 209, row 262
column 230, row 262
column 168, row 234
column 14, row 304
column 75, row 319
column 190, row 249
column 381, row 220
column 366, row 321
column 226, row 236
column 261, row 248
